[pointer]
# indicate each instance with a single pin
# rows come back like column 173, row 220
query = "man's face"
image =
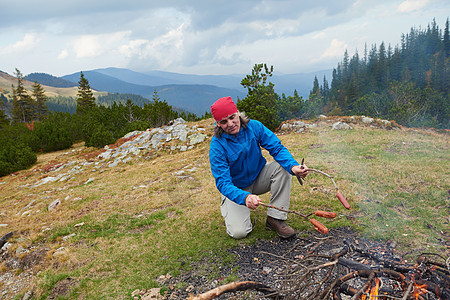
column 231, row 124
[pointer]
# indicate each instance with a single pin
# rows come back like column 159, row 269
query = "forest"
column 409, row 83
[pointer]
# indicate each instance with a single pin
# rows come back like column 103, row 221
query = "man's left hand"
column 300, row 171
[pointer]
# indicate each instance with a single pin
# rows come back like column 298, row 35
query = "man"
column 242, row 173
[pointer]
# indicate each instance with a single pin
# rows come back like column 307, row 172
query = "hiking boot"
column 283, row 230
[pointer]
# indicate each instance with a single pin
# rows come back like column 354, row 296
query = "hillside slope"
column 85, row 227
column 6, row 82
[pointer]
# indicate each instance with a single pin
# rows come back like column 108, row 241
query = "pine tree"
column 22, row 103
column 446, row 39
column 4, row 121
column 85, row 96
column 315, row 92
column 41, row 99
column 261, row 100
column 325, row 88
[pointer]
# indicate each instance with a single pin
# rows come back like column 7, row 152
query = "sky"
column 208, row 37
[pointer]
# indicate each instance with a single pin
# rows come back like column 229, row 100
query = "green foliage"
column 62, row 104
column 407, row 84
column 85, row 96
column 97, row 126
column 15, row 154
column 4, row 121
column 54, row 133
column 40, row 101
column 23, row 108
column 122, row 98
column 15, row 157
column 261, row 100
column 290, row 107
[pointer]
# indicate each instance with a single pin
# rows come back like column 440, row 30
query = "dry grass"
column 159, row 212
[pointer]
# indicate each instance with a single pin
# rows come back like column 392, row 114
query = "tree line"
column 28, row 127
column 409, row 83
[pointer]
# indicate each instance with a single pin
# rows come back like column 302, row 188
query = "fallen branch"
column 237, row 286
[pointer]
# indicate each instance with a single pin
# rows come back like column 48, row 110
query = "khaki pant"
column 272, row 178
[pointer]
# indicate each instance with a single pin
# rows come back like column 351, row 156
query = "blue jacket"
column 236, row 160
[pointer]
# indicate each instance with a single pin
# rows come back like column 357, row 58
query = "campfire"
column 349, row 270
column 355, row 270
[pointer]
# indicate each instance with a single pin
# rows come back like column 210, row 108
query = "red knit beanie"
column 222, row 108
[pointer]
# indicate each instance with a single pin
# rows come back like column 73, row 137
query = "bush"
column 15, row 157
column 99, row 137
column 52, row 137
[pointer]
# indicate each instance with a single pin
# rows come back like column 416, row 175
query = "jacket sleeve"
column 221, row 172
column 269, row 141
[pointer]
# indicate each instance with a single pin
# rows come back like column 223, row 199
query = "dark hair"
column 218, row 131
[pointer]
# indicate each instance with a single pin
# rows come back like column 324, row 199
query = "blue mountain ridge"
column 193, row 93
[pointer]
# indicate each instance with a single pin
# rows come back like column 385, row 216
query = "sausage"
column 343, row 200
column 325, row 214
column 319, row 226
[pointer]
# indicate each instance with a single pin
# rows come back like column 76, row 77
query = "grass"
column 140, row 220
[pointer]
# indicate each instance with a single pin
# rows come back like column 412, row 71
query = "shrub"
column 99, row 137
column 52, row 136
column 15, row 157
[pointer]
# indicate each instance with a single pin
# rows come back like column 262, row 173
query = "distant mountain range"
column 193, row 93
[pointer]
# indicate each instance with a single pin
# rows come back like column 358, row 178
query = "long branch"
column 323, row 173
column 284, row 210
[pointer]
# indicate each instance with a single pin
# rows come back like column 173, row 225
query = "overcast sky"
column 61, row 37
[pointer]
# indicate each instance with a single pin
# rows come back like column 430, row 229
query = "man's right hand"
column 252, row 201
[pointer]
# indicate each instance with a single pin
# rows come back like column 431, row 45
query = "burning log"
column 343, row 276
column 366, row 283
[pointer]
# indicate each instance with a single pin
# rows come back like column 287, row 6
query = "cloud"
column 96, row 45
column 63, row 54
column 335, row 50
column 408, row 6
column 26, row 44
column 212, row 36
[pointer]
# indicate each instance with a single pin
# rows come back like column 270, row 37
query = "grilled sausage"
column 325, row 214
column 319, row 226
column 343, row 200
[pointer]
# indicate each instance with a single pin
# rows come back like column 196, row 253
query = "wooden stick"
column 284, row 210
column 236, row 286
column 323, row 173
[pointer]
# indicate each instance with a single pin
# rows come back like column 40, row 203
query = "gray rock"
column 341, row 126
column 286, row 126
column 367, row 120
column 197, row 138
column 20, row 250
column 54, row 204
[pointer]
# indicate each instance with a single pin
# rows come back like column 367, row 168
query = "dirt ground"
column 269, row 263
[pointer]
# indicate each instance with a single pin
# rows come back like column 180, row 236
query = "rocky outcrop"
column 177, row 136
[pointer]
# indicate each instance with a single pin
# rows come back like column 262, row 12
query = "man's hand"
column 252, row 201
column 300, row 171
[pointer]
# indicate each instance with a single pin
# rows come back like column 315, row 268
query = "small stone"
column 54, row 204
column 190, row 288
column 135, row 293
